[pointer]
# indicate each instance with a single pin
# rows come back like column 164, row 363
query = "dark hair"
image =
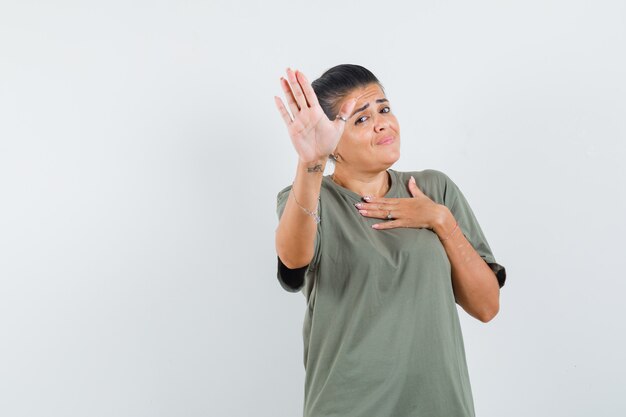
column 337, row 82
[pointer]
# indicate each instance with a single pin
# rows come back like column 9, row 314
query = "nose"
column 381, row 123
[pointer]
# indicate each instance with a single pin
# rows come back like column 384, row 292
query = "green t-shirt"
column 381, row 330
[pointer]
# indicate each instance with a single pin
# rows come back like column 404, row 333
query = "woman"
column 382, row 257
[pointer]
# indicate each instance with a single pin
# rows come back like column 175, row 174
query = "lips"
column 386, row 140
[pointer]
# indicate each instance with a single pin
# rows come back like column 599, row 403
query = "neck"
column 372, row 184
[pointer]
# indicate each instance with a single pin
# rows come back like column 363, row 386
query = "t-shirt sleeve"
column 293, row 280
column 457, row 203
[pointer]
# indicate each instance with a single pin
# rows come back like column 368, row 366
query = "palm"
column 313, row 135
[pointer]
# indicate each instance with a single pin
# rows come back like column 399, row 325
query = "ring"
column 389, row 215
column 341, row 118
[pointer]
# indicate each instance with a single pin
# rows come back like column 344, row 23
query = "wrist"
column 316, row 165
column 444, row 222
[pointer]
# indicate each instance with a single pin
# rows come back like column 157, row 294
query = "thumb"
column 345, row 112
column 415, row 191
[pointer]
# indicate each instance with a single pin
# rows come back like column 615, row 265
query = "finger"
column 297, row 90
column 388, row 225
column 283, row 111
column 345, row 111
column 377, row 206
column 413, row 188
column 381, row 200
column 378, row 214
column 309, row 93
column 291, row 101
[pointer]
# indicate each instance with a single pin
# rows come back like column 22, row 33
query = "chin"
column 393, row 157
column 388, row 162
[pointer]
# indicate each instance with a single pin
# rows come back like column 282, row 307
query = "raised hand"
column 313, row 135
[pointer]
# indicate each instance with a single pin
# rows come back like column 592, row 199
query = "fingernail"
column 375, row 226
column 357, row 205
column 363, row 211
column 412, row 179
column 367, row 198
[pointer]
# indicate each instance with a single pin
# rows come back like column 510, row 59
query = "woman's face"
column 371, row 138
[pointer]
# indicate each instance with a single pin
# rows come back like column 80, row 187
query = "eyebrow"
column 380, row 100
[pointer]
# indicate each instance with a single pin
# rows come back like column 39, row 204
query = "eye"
column 360, row 120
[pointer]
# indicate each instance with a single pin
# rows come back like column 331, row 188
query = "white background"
column 140, row 158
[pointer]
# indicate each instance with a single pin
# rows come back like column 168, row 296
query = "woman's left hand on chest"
column 417, row 212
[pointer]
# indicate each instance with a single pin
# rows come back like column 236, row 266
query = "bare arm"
column 475, row 288
column 314, row 137
column 296, row 230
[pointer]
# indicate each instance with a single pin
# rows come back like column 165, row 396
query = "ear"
column 337, row 151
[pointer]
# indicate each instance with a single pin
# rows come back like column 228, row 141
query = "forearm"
column 475, row 287
column 295, row 235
